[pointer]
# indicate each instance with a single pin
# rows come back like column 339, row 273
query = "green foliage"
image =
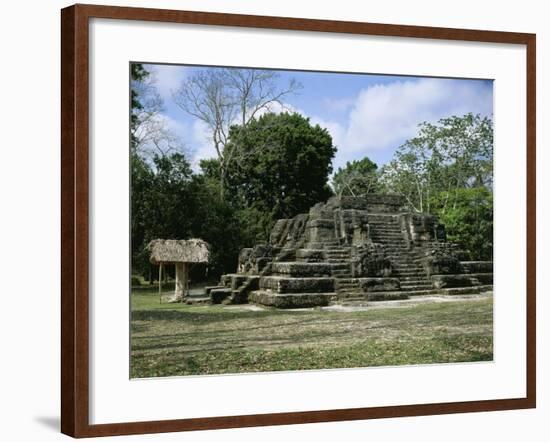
column 217, row 222
column 161, row 200
column 469, row 221
column 283, row 164
column 455, row 153
column 357, row 178
column 137, row 73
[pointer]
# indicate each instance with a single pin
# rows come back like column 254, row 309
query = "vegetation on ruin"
column 179, row 339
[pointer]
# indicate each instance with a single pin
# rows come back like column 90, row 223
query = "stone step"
column 413, row 279
column 376, row 227
column 347, row 281
column 291, row 300
column 345, row 284
column 356, row 298
column 416, row 287
column 382, row 216
column 280, row 284
column 301, row 269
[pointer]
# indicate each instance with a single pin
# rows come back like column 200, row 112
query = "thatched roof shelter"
column 172, row 251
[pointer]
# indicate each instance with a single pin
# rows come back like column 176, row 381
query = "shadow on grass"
column 203, row 316
column 217, row 341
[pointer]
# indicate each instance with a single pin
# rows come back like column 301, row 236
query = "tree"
column 223, row 97
column 284, row 165
column 469, row 221
column 217, row 222
column 149, row 131
column 453, row 154
column 162, row 201
column 357, row 178
column 140, row 224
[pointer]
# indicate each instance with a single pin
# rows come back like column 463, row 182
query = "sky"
column 367, row 115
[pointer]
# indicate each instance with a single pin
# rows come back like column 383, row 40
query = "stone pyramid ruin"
column 352, row 249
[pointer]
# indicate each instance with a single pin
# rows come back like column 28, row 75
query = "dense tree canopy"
column 455, row 153
column 285, row 163
column 357, row 178
column 469, row 220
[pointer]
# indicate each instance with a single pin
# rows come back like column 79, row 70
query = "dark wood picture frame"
column 75, row 219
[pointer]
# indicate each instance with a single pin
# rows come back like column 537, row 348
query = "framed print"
column 272, row 221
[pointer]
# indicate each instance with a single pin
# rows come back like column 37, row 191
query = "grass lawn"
column 179, row 339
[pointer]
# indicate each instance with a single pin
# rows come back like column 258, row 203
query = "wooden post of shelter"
column 160, row 283
column 180, row 290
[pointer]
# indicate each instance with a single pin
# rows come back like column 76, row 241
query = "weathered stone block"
column 217, row 296
column 477, row 266
column 280, row 284
column 464, row 280
column 390, row 296
column 379, row 284
column 208, row 289
column 291, row 300
column 237, row 281
column 310, row 255
column 301, row 269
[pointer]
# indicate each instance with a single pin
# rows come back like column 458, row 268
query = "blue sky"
column 367, row 115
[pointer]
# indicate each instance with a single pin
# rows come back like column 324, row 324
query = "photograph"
column 295, row 220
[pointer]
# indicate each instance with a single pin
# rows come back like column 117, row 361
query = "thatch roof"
column 174, row 250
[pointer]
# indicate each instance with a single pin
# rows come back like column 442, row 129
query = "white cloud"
column 383, row 116
column 167, row 78
column 338, row 104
